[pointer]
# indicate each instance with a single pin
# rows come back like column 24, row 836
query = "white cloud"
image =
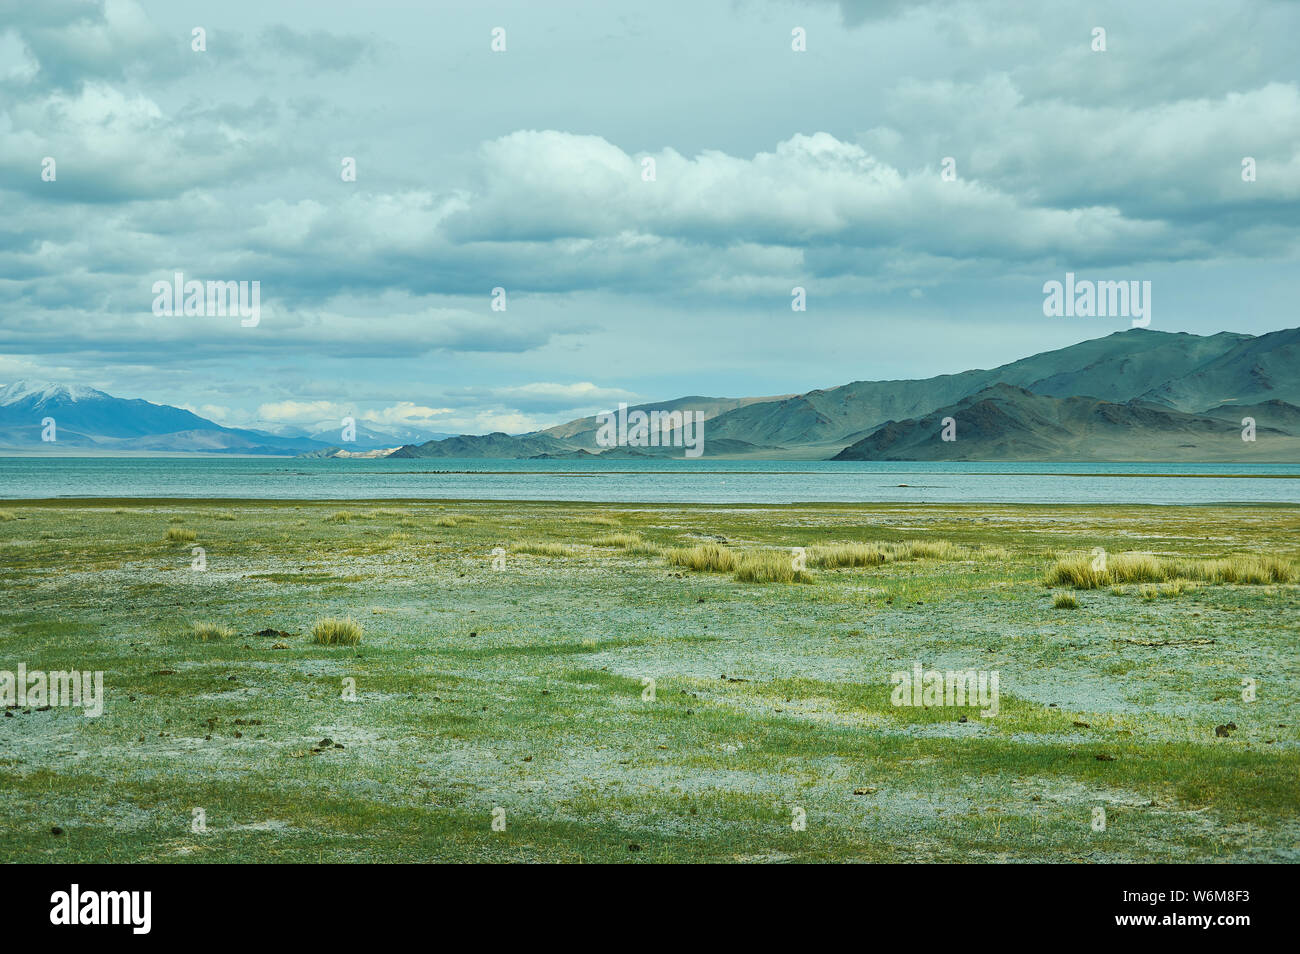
column 301, row 412
column 406, row 414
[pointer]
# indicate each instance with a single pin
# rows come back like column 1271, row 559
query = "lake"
column 651, row 481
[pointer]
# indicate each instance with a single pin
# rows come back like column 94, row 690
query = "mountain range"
column 86, row 419
column 1132, row 395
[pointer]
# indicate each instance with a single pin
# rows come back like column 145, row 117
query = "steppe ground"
column 518, row 691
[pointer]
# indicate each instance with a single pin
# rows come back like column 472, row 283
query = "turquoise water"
column 649, row 481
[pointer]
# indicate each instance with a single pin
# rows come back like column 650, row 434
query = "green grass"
column 526, row 687
column 598, row 520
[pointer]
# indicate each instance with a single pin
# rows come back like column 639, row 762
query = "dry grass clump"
column 181, row 535
column 1136, row 568
column 211, row 631
column 6, row 515
column 454, row 521
column 1077, row 572
column 1065, row 601
column 340, row 516
column 762, row 566
column 1153, row 591
column 622, row 540
column 1085, row 573
column 542, row 549
column 336, row 631
column 874, row 554
column 929, row 550
column 1250, row 569
column 712, row 557
column 847, row 554
column 770, row 566
column 599, row 521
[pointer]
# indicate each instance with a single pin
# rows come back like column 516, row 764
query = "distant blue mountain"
column 93, row 420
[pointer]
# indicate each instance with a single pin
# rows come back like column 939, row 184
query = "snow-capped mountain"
column 86, row 418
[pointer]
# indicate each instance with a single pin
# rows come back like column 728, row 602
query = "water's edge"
column 659, row 481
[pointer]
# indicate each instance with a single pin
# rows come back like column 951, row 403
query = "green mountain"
column 1118, row 367
column 497, row 445
column 582, row 432
column 1005, row 422
column 1255, row 370
column 1132, row 395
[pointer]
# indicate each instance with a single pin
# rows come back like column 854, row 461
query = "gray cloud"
column 524, row 170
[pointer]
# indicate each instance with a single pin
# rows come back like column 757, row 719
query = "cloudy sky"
column 523, row 169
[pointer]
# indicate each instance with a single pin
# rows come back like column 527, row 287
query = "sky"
column 524, row 169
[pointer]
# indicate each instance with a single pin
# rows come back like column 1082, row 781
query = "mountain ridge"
column 1155, row 384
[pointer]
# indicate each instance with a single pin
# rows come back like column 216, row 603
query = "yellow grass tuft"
column 770, row 566
column 713, row 557
column 1065, row 601
column 211, row 631
column 1135, row 568
column 6, row 515
column 1079, row 573
column 930, row 550
column 623, row 540
column 1153, row 591
column 847, row 554
column 181, row 535
column 542, row 549
column 336, row 631
column 339, row 516
column 874, row 554
column 1249, row 569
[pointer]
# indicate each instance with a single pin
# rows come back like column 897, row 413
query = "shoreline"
column 712, row 505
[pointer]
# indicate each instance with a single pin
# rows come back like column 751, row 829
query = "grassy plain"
column 503, row 663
